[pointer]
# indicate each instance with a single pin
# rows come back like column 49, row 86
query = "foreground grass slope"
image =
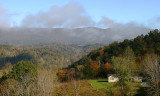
column 98, row 87
column 82, row 87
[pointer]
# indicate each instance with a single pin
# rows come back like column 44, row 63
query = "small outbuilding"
column 137, row 79
column 114, row 78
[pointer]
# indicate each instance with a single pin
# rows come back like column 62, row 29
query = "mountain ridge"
column 26, row 36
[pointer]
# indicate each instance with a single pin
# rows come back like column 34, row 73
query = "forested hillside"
column 59, row 55
column 101, row 60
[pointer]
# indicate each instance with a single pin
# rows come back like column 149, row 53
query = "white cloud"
column 4, row 23
column 70, row 15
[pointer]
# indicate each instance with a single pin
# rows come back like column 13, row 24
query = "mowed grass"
column 101, row 84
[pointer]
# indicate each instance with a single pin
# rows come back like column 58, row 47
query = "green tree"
column 131, row 64
column 23, row 69
column 121, row 68
column 87, row 71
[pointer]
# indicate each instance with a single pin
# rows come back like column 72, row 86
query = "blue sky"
column 121, row 11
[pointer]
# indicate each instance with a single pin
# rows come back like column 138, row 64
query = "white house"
column 112, row 78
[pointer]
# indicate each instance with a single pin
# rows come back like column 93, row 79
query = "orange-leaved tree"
column 95, row 66
column 61, row 75
column 107, row 66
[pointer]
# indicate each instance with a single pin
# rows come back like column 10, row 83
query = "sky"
column 79, row 13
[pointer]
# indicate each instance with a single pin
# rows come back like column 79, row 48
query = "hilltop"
column 101, row 58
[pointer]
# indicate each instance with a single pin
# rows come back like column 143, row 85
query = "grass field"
column 101, row 84
column 105, row 85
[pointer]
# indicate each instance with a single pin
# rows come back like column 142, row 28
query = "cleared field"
column 101, row 84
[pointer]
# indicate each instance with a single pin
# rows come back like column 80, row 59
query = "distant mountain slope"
column 59, row 55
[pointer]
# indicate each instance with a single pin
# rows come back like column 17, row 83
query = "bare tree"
column 12, row 87
column 44, row 84
column 152, row 71
column 76, row 84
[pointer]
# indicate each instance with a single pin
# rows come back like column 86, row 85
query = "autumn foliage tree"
column 101, row 51
column 61, row 75
column 95, row 66
column 70, row 74
column 107, row 66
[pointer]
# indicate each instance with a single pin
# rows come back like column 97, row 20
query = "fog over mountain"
column 65, row 35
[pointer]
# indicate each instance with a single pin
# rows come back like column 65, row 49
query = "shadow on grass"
column 142, row 91
column 102, row 81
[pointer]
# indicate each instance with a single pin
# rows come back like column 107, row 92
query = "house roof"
column 112, row 75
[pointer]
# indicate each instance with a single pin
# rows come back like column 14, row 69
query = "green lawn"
column 101, row 84
column 109, row 87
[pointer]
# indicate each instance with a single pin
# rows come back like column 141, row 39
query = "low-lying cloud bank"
column 65, row 35
column 67, row 24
